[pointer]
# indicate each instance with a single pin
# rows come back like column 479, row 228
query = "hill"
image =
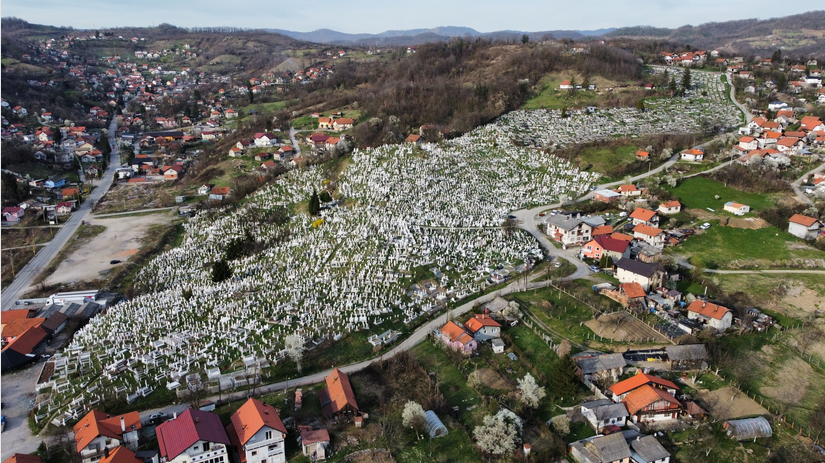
column 419, row 36
column 801, row 34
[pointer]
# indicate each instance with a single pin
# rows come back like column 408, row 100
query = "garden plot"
column 440, row 208
column 728, row 403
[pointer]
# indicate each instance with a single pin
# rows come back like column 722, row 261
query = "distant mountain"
column 746, row 35
column 419, row 36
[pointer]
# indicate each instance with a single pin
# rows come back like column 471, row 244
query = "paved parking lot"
column 17, row 391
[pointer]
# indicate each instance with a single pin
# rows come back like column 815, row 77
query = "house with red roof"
column 13, row 214
column 97, row 434
column 18, row 352
column 605, row 245
column 621, row 389
column 343, row 123
column 650, row 235
column 23, row 458
column 193, row 436
column 748, row 143
column 713, row 315
column 257, row 433
column 483, row 327
column 121, row 455
column 648, row 403
column 338, row 399
column 314, row 443
column 565, row 85
column 455, row 336
column 692, row 155
column 628, row 190
column 804, row 227
column 219, row 193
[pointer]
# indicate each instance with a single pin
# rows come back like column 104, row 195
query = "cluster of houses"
column 696, row 58
column 465, row 338
column 333, row 123
column 771, row 143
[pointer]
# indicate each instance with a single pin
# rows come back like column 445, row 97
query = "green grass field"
column 718, row 246
column 700, row 192
column 266, row 107
column 607, row 160
column 551, row 97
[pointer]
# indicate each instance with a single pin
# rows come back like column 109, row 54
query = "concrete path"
column 139, row 211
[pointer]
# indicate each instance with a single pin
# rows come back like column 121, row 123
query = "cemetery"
column 410, row 231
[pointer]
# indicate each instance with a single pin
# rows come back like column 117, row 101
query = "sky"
column 369, row 16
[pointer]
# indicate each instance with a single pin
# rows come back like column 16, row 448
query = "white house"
column 713, row 315
column 265, row 139
column 692, row 155
column 670, row 207
column 568, row 231
column 194, row 436
column 483, row 327
column 748, row 143
column 566, row 85
column 804, row 227
column 604, row 412
column 653, row 236
column 737, row 208
column 258, row 433
column 633, row 271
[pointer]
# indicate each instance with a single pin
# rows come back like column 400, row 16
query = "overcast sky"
column 377, row 16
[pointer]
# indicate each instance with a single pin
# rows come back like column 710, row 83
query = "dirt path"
column 121, row 239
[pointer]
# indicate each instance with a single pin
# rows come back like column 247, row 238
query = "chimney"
column 527, row 448
column 174, row 415
column 122, row 424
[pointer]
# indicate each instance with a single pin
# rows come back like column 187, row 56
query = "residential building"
column 693, row 155
column 648, row 403
column 628, row 190
column 483, row 327
column 605, row 245
column 123, row 455
column 713, row 315
column 567, row 230
column 603, row 412
column 257, row 433
column 644, row 216
column 647, row 275
column 804, row 227
column 646, row 449
column 338, row 399
column 605, row 196
column 595, row 365
column 611, row 448
column 13, row 214
column 455, row 336
column 219, row 193
column 314, row 443
column 736, row 208
column 650, row 235
column 343, row 123
column 621, row 389
column 670, row 207
column 193, row 436
column 97, row 434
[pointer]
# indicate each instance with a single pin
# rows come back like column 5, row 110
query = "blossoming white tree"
column 413, row 416
column 500, row 432
column 530, row 393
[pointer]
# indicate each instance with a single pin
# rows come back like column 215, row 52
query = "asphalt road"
column 799, row 194
column 26, row 277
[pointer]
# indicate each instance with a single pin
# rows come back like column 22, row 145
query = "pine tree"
column 220, row 271
column 563, row 380
column 686, row 80
column 640, row 105
column 314, row 204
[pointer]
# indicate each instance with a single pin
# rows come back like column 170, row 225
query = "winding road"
column 26, row 277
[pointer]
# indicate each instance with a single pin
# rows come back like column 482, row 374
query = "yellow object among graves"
column 317, row 223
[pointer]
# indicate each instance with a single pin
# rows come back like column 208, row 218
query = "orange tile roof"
column 633, row 290
column 642, row 154
column 623, row 387
column 254, row 415
column 23, row 458
column 621, row 236
column 220, row 190
column 708, row 309
column 479, row 321
column 121, row 455
column 17, row 327
column 97, row 423
column 670, row 204
column 27, row 341
column 693, row 151
column 802, row 220
column 642, row 214
column 602, row 230
column 7, row 316
column 645, row 396
column 646, row 230
column 628, row 188
column 769, row 134
column 340, row 393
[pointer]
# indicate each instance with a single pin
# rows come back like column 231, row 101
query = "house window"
column 254, row 453
column 195, row 447
column 206, row 446
column 268, row 435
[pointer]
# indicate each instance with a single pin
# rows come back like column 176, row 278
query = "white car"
column 704, row 226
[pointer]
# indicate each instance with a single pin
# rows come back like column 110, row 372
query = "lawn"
column 700, row 192
column 719, row 246
column 266, row 107
column 551, row 97
column 607, row 160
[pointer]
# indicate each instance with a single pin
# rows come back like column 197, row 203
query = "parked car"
column 557, row 264
column 595, row 268
column 159, row 416
column 113, row 262
column 704, row 226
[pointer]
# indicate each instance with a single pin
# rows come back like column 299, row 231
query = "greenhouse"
column 434, row 425
column 750, row 428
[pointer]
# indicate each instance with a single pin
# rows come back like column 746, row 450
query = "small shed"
column 749, row 428
column 434, row 425
column 498, row 346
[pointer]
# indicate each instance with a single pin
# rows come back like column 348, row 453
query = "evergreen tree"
column 220, row 271
column 686, row 80
column 563, row 379
column 640, row 105
column 672, row 86
column 776, row 57
column 314, row 204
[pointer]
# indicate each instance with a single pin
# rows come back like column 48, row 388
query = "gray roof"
column 596, row 221
column 639, row 268
column 596, row 403
column 607, row 193
column 605, row 412
column 749, row 428
column 609, row 448
column 686, row 352
column 601, row 363
column 649, row 449
column 563, row 222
